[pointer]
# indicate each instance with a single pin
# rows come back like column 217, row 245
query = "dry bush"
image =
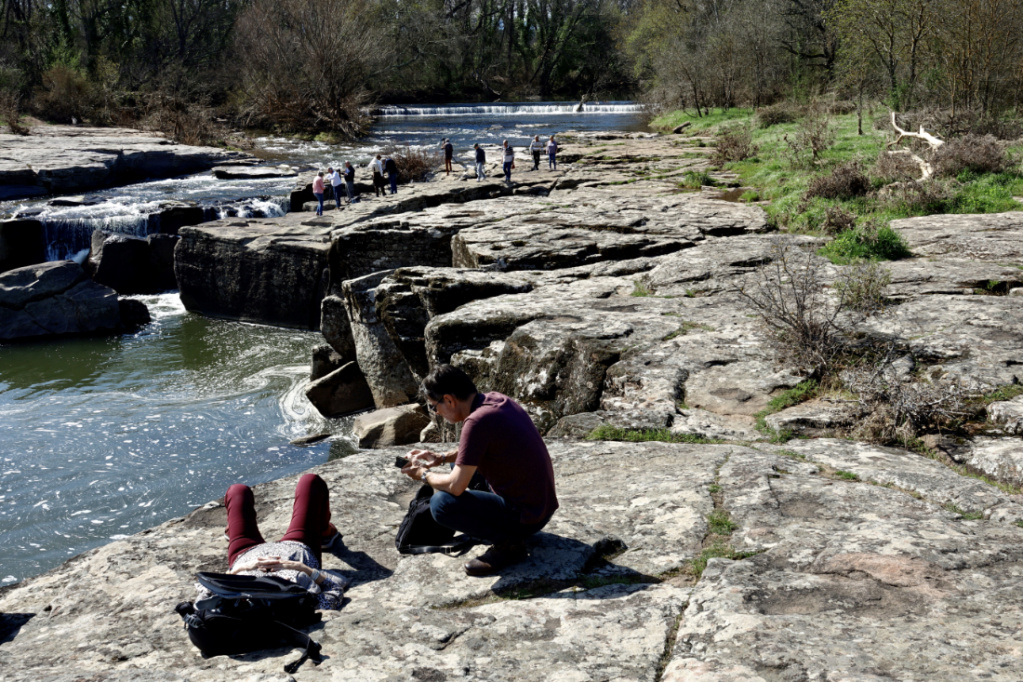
column 414, row 163
column 790, row 298
column 735, row 143
column 182, row 121
column 837, row 219
column 776, row 114
column 844, row 182
column 10, row 112
column 842, row 107
column 66, row 95
column 928, row 196
column 977, row 153
column 900, row 406
column 863, row 287
column 895, row 168
column 814, row 135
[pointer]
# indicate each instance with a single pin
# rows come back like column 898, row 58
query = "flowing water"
column 102, row 438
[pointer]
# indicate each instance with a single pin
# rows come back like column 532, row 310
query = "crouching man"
column 498, row 439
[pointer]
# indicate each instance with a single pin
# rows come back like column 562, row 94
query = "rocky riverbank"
column 604, row 296
column 75, row 159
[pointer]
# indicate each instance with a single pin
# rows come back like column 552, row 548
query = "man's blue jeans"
column 482, row 515
column 507, row 171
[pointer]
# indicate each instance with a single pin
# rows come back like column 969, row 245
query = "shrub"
column 788, row 296
column 837, row 219
column 735, row 143
column 977, row 153
column 863, row 286
column 844, row 182
column 866, row 242
column 889, row 168
column 182, row 121
column 66, row 95
column 10, row 112
column 814, row 135
column 414, row 163
column 927, row 197
column 776, row 114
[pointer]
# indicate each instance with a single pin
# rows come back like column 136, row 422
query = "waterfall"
column 539, row 109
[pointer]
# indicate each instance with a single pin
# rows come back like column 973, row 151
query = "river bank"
column 603, row 297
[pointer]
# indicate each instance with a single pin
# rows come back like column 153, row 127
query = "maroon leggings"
column 310, row 517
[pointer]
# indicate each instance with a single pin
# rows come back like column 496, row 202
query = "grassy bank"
column 846, row 192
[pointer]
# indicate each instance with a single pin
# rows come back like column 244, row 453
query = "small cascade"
column 520, row 109
column 66, row 237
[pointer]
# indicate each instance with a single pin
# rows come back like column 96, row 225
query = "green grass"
column 967, row 516
column 696, row 180
column 846, row 475
column 859, row 244
column 640, row 290
column 800, row 393
column 614, row 433
column 685, row 328
column 695, row 567
column 1002, row 393
column 720, row 523
column 714, row 488
column 784, row 185
column 1019, row 523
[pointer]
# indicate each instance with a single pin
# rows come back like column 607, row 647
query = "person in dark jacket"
column 481, row 160
column 391, row 168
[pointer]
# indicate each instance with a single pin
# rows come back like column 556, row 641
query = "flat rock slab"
column 995, row 237
column 405, row 613
column 74, row 159
column 855, row 582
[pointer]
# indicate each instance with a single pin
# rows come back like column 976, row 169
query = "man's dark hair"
column 447, row 380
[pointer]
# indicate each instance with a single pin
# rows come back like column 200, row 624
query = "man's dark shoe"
column 496, row 558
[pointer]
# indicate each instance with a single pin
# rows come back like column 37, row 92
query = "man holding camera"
column 500, row 440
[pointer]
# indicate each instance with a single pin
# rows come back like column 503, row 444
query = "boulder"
column 325, row 361
column 383, row 365
column 993, row 237
column 54, row 299
column 399, row 425
column 1008, row 415
column 161, row 262
column 340, row 392
column 173, row 215
column 336, row 327
column 121, row 262
column 134, row 314
column 271, row 272
column 21, row 243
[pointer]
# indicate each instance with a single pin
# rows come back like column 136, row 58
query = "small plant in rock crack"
column 862, row 287
column 788, row 295
column 720, row 523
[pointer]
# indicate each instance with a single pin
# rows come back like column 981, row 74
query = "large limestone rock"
column 996, row 237
column 21, row 243
column 70, row 159
column 54, row 299
column 831, row 578
column 391, row 426
column 121, row 262
column 388, row 375
column 340, row 392
column 272, row 272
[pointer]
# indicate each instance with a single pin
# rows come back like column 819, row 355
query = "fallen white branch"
column 926, row 170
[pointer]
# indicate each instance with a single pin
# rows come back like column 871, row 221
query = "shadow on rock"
column 10, row 624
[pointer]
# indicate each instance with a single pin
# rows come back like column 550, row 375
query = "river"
column 102, row 438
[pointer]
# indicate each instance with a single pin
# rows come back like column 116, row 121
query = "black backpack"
column 419, row 532
column 250, row 613
column 390, row 166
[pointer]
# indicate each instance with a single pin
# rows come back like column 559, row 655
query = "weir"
column 540, row 109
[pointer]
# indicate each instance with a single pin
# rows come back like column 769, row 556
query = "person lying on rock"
column 498, row 439
column 296, row 556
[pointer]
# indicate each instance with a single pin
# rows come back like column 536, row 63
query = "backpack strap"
column 312, row 649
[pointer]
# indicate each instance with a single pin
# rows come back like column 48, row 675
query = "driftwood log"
column 926, row 170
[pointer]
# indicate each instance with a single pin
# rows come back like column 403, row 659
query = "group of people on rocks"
column 536, row 148
column 381, row 167
column 498, row 440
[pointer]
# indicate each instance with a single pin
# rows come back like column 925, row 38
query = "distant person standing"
column 509, row 161
column 481, row 159
column 536, row 147
column 378, row 175
column 350, row 181
column 552, row 154
column 449, row 152
column 318, row 191
column 391, row 168
column 335, row 185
